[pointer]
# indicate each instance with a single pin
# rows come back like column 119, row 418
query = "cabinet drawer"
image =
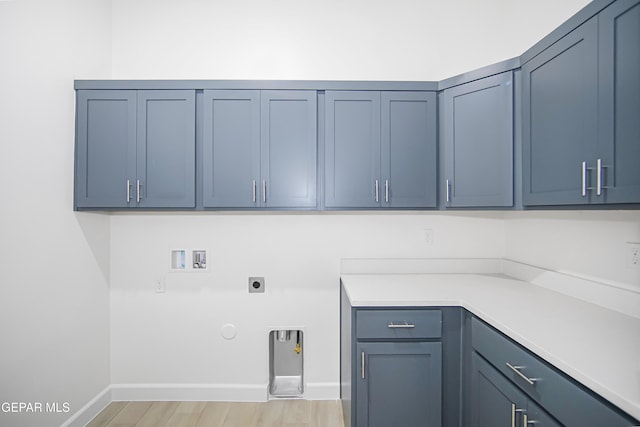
column 566, row 399
column 398, row 324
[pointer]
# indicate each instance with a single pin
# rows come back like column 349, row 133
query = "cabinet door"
column 560, row 115
column 494, row 400
column 478, row 143
column 352, row 149
column 166, row 149
column 399, row 384
column 619, row 85
column 288, row 148
column 231, row 148
column 408, row 161
column 105, row 148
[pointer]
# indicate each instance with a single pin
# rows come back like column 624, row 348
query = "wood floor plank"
column 241, row 414
column 270, row 414
column 298, row 412
column 158, row 414
column 107, row 414
column 186, row 414
column 130, row 414
column 275, row 413
column 326, row 413
column 213, row 414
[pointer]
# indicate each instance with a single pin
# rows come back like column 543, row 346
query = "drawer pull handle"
column 362, row 356
column 516, row 369
column 404, row 325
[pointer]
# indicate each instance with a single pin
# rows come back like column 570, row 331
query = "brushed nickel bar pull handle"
column 513, row 414
column 404, row 325
column 386, row 190
column 362, row 357
column 128, row 190
column 448, row 191
column 599, row 177
column 584, row 179
column 516, row 369
column 599, row 186
column 377, row 192
column 264, row 191
column 138, row 185
column 254, row 190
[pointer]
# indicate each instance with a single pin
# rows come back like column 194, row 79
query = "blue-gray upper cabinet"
column 617, row 159
column 380, row 149
column 289, row 148
column 135, row 149
column 560, row 118
column 231, row 148
column 477, row 140
column 259, row 149
column 581, row 103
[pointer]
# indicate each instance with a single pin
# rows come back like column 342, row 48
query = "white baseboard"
column 90, row 410
column 189, row 392
column 213, row 392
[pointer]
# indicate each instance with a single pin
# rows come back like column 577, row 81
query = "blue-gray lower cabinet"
column 393, row 362
column 380, row 149
column 510, row 384
column 259, row 149
column 135, row 149
column 399, row 384
column 477, row 140
column 497, row 402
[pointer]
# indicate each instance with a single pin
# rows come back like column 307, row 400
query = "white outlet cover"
column 633, row 255
column 428, row 236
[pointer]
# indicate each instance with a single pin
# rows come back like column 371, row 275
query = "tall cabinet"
column 380, row 149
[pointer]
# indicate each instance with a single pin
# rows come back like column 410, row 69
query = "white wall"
column 54, row 319
column 589, row 244
column 325, row 40
column 174, row 338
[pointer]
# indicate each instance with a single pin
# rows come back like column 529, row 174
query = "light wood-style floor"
column 275, row 413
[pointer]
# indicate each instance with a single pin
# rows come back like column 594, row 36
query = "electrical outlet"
column 160, row 286
column 428, row 236
column 633, row 255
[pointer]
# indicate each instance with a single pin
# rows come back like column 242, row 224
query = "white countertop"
column 598, row 347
